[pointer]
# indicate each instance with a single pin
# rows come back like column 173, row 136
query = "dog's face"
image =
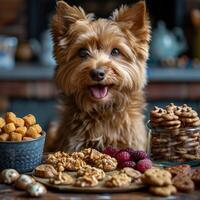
column 100, row 62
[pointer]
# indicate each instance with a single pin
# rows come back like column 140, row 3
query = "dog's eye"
column 115, row 52
column 83, row 53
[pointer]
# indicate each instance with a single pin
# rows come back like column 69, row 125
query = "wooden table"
column 8, row 193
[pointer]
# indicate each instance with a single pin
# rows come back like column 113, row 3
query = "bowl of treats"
column 21, row 142
column 174, row 135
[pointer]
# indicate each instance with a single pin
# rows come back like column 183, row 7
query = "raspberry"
column 138, row 155
column 122, row 156
column 127, row 164
column 129, row 150
column 143, row 165
column 110, row 151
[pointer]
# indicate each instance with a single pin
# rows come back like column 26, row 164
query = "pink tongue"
column 99, row 92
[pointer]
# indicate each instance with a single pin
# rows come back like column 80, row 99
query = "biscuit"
column 19, row 122
column 196, row 176
column 74, row 164
column 45, row 171
column 37, row 127
column 62, row 179
column 157, row 177
column 163, row 191
column 10, row 127
column 21, row 130
column 10, row 117
column 4, row 137
column 170, row 116
column 134, row 174
column 183, row 183
column 15, row 137
column 86, row 181
column 29, row 120
column 91, row 171
column 32, row 132
column 2, row 122
column 179, row 169
column 106, row 162
column 171, row 107
column 118, row 180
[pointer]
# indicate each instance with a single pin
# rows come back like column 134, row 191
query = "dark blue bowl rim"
column 25, row 141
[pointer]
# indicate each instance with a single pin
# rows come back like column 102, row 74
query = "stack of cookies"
column 159, row 182
column 175, row 134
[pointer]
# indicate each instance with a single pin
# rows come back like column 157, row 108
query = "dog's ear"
column 64, row 17
column 134, row 18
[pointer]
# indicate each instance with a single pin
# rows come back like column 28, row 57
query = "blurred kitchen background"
column 27, row 64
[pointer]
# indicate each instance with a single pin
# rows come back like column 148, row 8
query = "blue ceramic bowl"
column 23, row 156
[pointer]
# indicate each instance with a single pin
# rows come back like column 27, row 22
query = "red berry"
column 122, row 156
column 143, row 165
column 138, row 155
column 127, row 164
column 110, row 151
column 129, row 150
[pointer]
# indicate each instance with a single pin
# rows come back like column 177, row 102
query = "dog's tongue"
column 99, row 91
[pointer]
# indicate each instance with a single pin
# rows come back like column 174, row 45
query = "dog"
column 101, row 74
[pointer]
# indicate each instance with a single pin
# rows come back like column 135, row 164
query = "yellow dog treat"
column 32, row 132
column 29, row 120
column 10, row 127
column 21, row 130
column 4, row 137
column 10, row 117
column 37, row 127
column 15, row 136
column 19, row 122
column 2, row 122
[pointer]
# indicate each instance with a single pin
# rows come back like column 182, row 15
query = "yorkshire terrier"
column 101, row 73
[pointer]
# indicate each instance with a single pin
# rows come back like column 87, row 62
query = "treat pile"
column 13, row 128
column 175, row 133
column 87, row 168
column 165, row 182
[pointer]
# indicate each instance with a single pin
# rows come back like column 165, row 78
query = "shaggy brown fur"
column 107, row 112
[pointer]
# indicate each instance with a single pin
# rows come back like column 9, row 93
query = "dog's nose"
column 97, row 74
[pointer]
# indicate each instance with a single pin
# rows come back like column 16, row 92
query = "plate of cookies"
column 86, row 171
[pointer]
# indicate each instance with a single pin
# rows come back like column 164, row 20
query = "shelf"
column 173, row 74
column 28, row 72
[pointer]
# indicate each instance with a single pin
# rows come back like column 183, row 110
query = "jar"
column 173, row 147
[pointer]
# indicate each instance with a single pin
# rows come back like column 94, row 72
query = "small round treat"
column 163, row 191
column 36, row 189
column 183, row 183
column 19, row 122
column 45, row 171
column 134, row 174
column 10, row 117
column 23, row 181
column 86, row 181
column 10, row 127
column 29, row 120
column 91, row 171
column 21, row 130
column 15, row 136
column 196, row 176
column 9, row 175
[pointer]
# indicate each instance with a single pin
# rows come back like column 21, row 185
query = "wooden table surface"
column 8, row 193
